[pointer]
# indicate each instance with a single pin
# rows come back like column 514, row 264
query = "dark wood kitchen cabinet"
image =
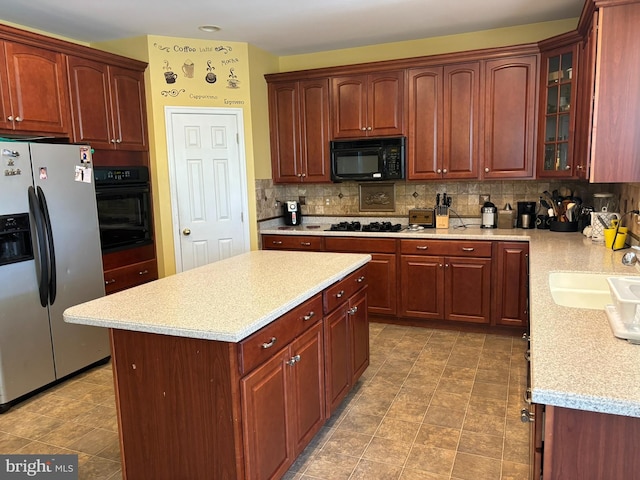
column 381, row 269
column 128, row 268
column 509, row 123
column 33, row 93
column 283, row 405
column 108, row 105
column 511, row 298
column 368, row 104
column 446, row 280
column 299, row 129
column 444, row 112
column 311, row 243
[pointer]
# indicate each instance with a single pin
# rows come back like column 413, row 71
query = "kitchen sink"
column 580, row 289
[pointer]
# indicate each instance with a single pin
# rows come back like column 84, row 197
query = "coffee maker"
column 527, row 208
column 292, row 213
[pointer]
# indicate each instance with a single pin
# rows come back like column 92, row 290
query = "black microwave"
column 368, row 159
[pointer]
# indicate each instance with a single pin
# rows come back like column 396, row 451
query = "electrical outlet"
column 484, row 198
column 327, row 202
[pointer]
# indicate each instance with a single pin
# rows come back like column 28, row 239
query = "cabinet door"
column 467, row 289
column 512, row 281
column 265, row 413
column 382, row 283
column 128, row 107
column 90, row 104
column 461, row 119
column 424, row 150
column 557, row 113
column 314, row 125
column 422, row 286
column 509, row 117
column 349, row 106
column 359, row 332
column 37, row 89
column 307, row 387
column 285, row 134
column 385, row 99
column 337, row 357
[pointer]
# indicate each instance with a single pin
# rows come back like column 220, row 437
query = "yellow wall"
column 498, row 37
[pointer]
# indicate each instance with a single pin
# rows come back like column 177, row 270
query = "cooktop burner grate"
column 370, row 227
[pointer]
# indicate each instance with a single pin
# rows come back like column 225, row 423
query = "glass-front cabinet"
column 557, row 112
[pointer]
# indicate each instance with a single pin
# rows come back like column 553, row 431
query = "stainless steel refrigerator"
column 50, row 259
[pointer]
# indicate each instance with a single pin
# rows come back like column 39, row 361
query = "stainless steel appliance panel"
column 79, row 275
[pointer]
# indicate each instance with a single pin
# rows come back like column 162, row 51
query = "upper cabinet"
column 615, row 149
column 33, row 91
column 558, row 105
column 299, row 129
column 509, row 140
column 368, row 105
column 108, row 105
column 443, row 122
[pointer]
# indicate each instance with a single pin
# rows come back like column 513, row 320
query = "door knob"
column 186, row 231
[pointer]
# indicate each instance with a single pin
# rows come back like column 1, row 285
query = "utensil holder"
column 442, row 218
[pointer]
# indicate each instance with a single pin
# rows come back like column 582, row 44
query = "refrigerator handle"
column 43, row 281
column 52, row 252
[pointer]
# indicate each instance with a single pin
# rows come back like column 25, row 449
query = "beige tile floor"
column 433, row 404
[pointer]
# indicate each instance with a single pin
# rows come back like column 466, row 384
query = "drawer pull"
column 109, row 282
column 143, row 272
column 293, row 360
column 360, row 279
column 309, row 316
column 277, row 242
column 468, row 249
column 340, row 294
column 421, row 247
column 269, row 344
column 352, row 311
column 305, row 244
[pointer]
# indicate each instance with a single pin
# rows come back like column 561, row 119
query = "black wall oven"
column 124, row 207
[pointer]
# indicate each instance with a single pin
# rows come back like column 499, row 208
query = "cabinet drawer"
column 341, row 291
column 359, row 245
column 261, row 345
column 291, row 242
column 459, row 248
column 126, row 277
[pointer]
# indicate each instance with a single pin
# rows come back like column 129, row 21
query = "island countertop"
column 226, row 301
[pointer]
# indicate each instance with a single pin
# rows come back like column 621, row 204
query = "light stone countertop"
column 576, row 360
column 227, row 300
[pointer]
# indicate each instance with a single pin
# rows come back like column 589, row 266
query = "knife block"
column 442, row 218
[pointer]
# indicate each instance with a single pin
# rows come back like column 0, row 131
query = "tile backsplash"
column 342, row 199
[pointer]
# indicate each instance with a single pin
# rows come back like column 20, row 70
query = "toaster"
column 422, row 216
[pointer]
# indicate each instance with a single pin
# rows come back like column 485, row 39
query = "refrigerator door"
column 70, row 200
column 26, row 360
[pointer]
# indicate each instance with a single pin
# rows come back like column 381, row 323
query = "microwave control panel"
column 393, row 161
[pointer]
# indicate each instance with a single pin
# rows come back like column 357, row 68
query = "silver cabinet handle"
column 368, row 128
column 10, row 118
column 113, row 140
column 18, row 119
column 352, row 310
column 421, row 247
column 364, row 129
column 439, row 170
column 486, row 169
column 293, row 360
column 277, row 242
column 186, row 232
column 468, row 249
column 526, row 416
column 304, row 175
column 444, row 170
column 143, row 272
column 340, row 294
column 446, row 265
column 309, row 316
column 525, row 337
column 305, row 244
column 109, row 282
column 360, row 279
column 119, row 140
column 269, row 344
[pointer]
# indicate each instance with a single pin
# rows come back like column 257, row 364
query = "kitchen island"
column 229, row 370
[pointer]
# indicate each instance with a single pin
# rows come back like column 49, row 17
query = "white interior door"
column 209, row 188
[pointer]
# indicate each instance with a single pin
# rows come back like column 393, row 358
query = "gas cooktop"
column 370, row 227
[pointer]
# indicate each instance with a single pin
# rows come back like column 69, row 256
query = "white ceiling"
column 282, row 27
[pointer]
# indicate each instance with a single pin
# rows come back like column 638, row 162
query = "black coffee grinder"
column 527, row 208
column 292, row 213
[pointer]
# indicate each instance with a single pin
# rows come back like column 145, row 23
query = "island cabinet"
column 33, row 92
column 511, row 298
column 368, row 105
column 444, row 113
column 509, row 123
column 108, row 105
column 299, row 129
column 446, row 280
column 381, row 269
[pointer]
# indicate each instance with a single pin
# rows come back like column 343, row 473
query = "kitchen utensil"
column 629, row 259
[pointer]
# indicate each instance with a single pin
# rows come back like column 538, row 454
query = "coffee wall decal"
column 232, row 81
column 210, row 77
column 172, row 93
column 188, row 68
column 160, row 47
column 222, row 49
column 169, row 75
